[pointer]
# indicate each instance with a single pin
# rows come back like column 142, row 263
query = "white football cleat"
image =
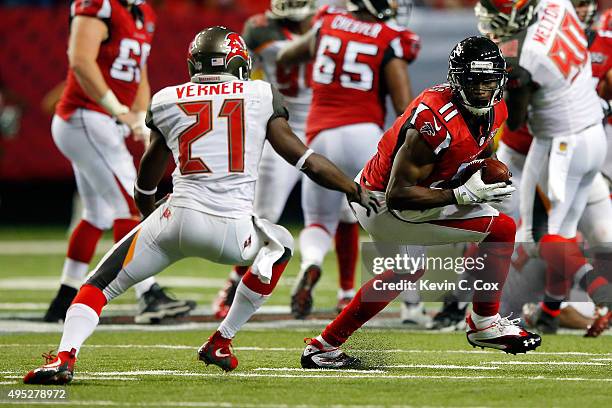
column 317, row 356
column 414, row 314
column 503, row 334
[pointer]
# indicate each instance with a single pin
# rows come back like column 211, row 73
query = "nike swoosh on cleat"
column 220, row 355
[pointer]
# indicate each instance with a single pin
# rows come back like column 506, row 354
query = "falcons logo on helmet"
column 235, row 47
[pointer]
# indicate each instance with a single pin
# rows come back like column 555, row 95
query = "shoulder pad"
column 91, row 8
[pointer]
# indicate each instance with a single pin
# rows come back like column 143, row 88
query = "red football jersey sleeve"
column 91, row 8
column 601, row 53
column 347, row 75
column 431, row 126
column 411, row 45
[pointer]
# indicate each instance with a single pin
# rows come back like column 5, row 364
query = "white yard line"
column 327, row 370
column 187, row 404
column 52, row 282
column 291, row 349
column 86, row 377
column 439, row 366
column 561, row 363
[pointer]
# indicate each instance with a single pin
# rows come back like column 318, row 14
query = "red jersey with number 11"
column 439, row 122
column 347, row 81
column 121, row 56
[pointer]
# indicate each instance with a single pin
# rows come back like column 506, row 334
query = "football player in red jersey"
column 360, row 55
column 444, row 129
column 104, row 100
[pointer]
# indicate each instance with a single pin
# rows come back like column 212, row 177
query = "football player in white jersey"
column 214, row 127
column 550, row 89
column 265, row 34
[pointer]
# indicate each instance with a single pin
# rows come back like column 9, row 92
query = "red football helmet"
column 503, row 18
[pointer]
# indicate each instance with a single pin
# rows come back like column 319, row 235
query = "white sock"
column 74, row 273
column 245, row 304
column 81, row 321
column 325, row 344
column 346, row 293
column 314, row 244
column 483, row 321
column 142, row 287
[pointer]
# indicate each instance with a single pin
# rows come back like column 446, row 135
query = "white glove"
column 476, row 191
column 139, row 128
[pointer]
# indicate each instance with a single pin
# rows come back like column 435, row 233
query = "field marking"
column 564, row 363
column 326, row 370
column 85, row 377
column 187, row 404
column 440, row 366
column 286, row 349
column 601, row 359
column 370, row 374
column 52, row 282
column 8, row 382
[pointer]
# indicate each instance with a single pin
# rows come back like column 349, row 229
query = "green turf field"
column 156, row 366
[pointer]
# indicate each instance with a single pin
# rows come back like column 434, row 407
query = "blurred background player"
column 551, row 89
column 596, row 222
column 419, row 158
column 359, row 57
column 105, row 98
column 265, row 34
column 210, row 212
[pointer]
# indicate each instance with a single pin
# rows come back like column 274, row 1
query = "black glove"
column 364, row 198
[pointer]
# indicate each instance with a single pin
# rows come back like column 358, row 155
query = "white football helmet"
column 295, row 10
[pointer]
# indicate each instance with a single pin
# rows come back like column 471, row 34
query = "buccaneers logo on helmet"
column 235, row 48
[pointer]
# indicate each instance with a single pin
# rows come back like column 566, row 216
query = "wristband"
column 112, row 105
column 145, row 192
column 302, row 160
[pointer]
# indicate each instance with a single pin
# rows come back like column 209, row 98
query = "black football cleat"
column 503, row 334
column 537, row 319
column 156, row 305
column 316, row 356
column 60, row 304
column 451, row 317
column 225, row 298
column 301, row 298
column 58, row 370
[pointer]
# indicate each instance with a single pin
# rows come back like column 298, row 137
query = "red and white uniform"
column 120, row 57
column 83, row 130
column 348, row 103
column 440, row 124
column 346, row 78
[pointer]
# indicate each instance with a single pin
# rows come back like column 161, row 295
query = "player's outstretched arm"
column 315, row 166
column 414, row 162
column 140, row 131
column 152, row 168
column 300, row 50
column 518, row 96
column 398, row 84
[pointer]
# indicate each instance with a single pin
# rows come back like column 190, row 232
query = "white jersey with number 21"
column 216, row 132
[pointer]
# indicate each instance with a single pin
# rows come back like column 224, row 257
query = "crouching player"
column 215, row 127
column 442, row 130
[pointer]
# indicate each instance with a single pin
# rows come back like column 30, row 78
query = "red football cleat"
column 217, row 350
column 58, row 370
column 225, row 297
column 601, row 323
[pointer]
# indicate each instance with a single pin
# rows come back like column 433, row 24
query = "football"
column 493, row 171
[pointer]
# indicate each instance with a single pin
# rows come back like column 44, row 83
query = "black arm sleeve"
column 278, row 105
column 149, row 120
